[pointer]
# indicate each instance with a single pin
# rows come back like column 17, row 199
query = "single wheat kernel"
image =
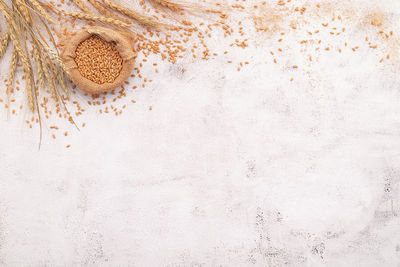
column 98, row 60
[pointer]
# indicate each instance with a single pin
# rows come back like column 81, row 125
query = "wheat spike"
column 18, row 48
column 13, row 68
column 41, row 11
column 29, row 86
column 178, row 5
column 30, row 83
column 81, row 6
column 21, row 5
column 38, row 65
column 97, row 18
column 103, row 10
column 4, row 44
column 57, row 74
column 55, row 56
column 145, row 20
column 169, row 4
column 49, row 79
column 62, row 82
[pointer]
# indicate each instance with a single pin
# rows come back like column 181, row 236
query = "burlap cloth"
column 124, row 43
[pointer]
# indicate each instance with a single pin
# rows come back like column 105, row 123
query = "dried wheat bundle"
column 22, row 17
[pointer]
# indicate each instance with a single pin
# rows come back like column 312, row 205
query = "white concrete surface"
column 228, row 169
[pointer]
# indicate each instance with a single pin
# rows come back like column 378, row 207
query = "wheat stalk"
column 29, row 84
column 55, row 56
column 13, row 68
column 39, row 69
column 61, row 82
column 144, row 20
column 81, row 6
column 49, row 79
column 41, row 11
column 182, row 5
column 4, row 44
column 57, row 74
column 22, row 7
column 168, row 4
column 103, row 10
column 98, row 18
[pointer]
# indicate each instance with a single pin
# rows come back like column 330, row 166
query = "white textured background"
column 228, row 169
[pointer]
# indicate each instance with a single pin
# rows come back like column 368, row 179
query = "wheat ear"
column 62, row 82
column 81, row 6
column 98, row 18
column 39, row 69
column 13, row 68
column 57, row 74
column 55, row 56
column 103, row 10
column 145, row 20
column 49, row 79
column 22, row 7
column 168, row 4
column 30, row 83
column 41, row 11
column 4, row 44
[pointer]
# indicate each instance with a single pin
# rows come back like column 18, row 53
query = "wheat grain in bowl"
column 98, row 60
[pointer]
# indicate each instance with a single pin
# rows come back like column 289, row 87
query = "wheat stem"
column 49, row 79
column 168, row 4
column 103, row 10
column 81, row 6
column 57, row 75
column 22, row 7
column 145, row 20
column 55, row 56
column 41, row 11
column 98, row 18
